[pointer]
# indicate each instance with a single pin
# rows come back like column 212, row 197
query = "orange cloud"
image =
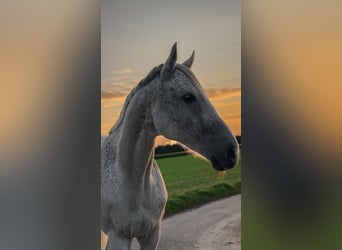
column 213, row 93
column 229, row 110
column 106, row 95
column 221, row 93
column 116, row 79
column 122, row 71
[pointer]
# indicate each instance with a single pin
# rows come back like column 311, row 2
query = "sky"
column 138, row 35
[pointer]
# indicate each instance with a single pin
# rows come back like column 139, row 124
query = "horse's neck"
column 136, row 143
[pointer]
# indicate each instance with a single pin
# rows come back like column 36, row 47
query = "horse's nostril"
column 232, row 154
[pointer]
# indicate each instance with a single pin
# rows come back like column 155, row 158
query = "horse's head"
column 182, row 112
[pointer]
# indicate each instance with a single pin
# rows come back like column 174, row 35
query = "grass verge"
column 191, row 182
column 197, row 197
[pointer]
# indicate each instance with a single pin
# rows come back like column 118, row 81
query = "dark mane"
column 145, row 81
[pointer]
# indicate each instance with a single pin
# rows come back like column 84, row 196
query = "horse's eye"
column 189, row 97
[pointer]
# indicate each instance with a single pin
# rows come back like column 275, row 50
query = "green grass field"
column 192, row 182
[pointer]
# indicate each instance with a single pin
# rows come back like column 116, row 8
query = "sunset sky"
column 138, row 35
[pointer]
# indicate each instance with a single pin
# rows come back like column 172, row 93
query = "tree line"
column 166, row 149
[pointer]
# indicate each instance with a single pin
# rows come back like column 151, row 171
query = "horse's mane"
column 145, row 81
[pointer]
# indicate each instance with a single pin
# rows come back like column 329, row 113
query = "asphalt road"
column 215, row 226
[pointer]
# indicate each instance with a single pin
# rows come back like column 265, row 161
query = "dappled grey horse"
column 169, row 101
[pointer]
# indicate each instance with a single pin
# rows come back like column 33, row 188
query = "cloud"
column 123, row 71
column 119, row 86
column 222, row 93
column 231, row 117
column 120, row 78
column 108, row 104
column 120, row 90
column 230, row 111
column 125, row 86
column 107, row 95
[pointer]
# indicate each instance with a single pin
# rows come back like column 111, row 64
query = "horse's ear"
column 188, row 63
column 170, row 63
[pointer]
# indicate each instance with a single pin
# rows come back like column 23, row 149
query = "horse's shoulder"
column 108, row 150
column 109, row 174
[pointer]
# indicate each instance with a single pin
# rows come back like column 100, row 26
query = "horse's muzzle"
column 232, row 156
column 228, row 162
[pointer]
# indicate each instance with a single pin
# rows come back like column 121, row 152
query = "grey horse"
column 169, row 101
